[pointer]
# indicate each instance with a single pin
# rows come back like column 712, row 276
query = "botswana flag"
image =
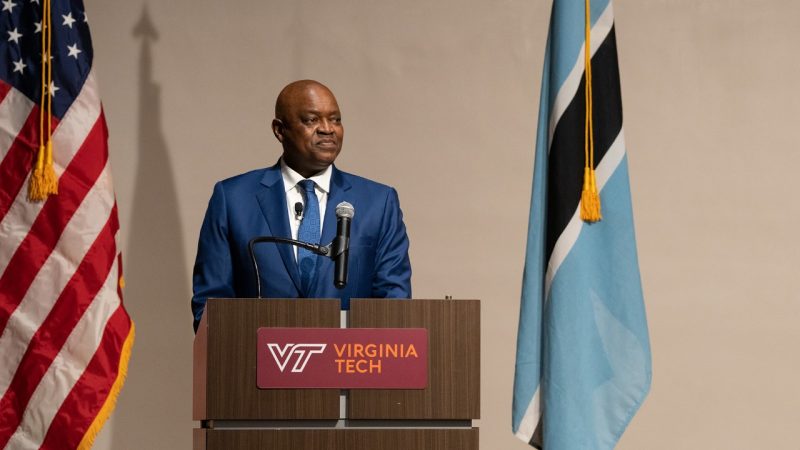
column 583, row 353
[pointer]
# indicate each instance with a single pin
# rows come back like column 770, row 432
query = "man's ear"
column 277, row 129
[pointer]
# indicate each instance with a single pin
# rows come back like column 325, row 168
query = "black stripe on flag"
column 566, row 160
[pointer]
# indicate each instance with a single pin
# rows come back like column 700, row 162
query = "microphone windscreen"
column 345, row 209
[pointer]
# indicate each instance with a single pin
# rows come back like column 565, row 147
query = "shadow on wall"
column 154, row 410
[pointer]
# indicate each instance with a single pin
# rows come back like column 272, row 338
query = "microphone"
column 341, row 244
column 298, row 210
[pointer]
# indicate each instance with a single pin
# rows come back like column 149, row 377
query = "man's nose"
column 325, row 127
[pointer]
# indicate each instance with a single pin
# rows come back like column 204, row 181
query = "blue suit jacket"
column 254, row 204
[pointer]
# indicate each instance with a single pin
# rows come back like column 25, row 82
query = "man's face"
column 310, row 129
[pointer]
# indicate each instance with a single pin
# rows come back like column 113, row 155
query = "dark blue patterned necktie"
column 308, row 232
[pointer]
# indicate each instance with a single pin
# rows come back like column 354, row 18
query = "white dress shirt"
column 294, row 194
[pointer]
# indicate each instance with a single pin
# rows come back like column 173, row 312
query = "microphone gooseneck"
column 338, row 250
column 316, row 248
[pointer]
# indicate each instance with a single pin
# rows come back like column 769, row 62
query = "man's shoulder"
column 364, row 184
column 251, row 180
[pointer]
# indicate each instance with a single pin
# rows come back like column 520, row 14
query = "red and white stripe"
column 63, row 329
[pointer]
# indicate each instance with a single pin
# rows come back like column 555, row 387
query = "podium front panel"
column 453, row 391
column 227, row 338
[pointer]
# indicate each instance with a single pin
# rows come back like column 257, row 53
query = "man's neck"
column 305, row 173
column 291, row 177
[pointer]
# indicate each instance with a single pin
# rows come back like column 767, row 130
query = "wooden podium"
column 235, row 414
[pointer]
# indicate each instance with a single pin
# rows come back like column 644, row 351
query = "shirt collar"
column 291, row 178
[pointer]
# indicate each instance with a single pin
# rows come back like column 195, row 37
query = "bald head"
column 295, row 92
column 308, row 124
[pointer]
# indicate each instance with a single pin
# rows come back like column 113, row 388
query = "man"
column 264, row 203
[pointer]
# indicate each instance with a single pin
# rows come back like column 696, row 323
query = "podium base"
column 336, row 439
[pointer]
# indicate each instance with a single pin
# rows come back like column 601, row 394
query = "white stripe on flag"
column 531, row 418
column 78, row 236
column 611, row 160
column 68, row 366
column 14, row 111
column 67, row 139
column 564, row 244
column 569, row 89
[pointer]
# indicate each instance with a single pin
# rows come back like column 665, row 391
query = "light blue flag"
column 583, row 353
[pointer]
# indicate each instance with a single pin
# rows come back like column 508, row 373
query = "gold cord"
column 43, row 180
column 590, row 197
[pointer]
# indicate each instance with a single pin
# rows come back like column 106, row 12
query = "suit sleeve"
column 213, row 270
column 392, row 265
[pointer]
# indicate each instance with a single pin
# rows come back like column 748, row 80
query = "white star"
column 85, row 17
column 19, row 65
column 68, row 20
column 53, row 89
column 38, row 27
column 74, row 50
column 14, row 35
column 8, row 5
column 35, row 1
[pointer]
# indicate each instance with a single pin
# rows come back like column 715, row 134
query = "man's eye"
column 336, row 120
column 309, row 120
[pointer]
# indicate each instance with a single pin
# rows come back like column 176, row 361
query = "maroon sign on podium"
column 344, row 358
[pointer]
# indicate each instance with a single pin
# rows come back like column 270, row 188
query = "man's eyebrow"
column 319, row 113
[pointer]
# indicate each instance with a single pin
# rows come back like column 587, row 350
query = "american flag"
column 65, row 337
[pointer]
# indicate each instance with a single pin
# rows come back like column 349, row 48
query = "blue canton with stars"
column 21, row 49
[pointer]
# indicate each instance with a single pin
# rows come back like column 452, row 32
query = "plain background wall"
column 440, row 100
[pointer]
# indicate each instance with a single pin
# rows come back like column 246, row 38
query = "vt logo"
column 303, row 352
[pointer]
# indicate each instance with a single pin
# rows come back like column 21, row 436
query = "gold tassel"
column 43, row 180
column 590, row 198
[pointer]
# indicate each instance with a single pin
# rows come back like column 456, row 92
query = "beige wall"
column 440, row 100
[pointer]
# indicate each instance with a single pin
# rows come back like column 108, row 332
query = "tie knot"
column 307, row 185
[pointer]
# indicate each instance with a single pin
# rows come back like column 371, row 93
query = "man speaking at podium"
column 296, row 198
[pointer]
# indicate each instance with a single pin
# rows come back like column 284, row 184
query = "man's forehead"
column 315, row 105
column 315, row 95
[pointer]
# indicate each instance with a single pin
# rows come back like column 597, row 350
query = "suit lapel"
column 272, row 202
column 338, row 193
column 339, row 187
